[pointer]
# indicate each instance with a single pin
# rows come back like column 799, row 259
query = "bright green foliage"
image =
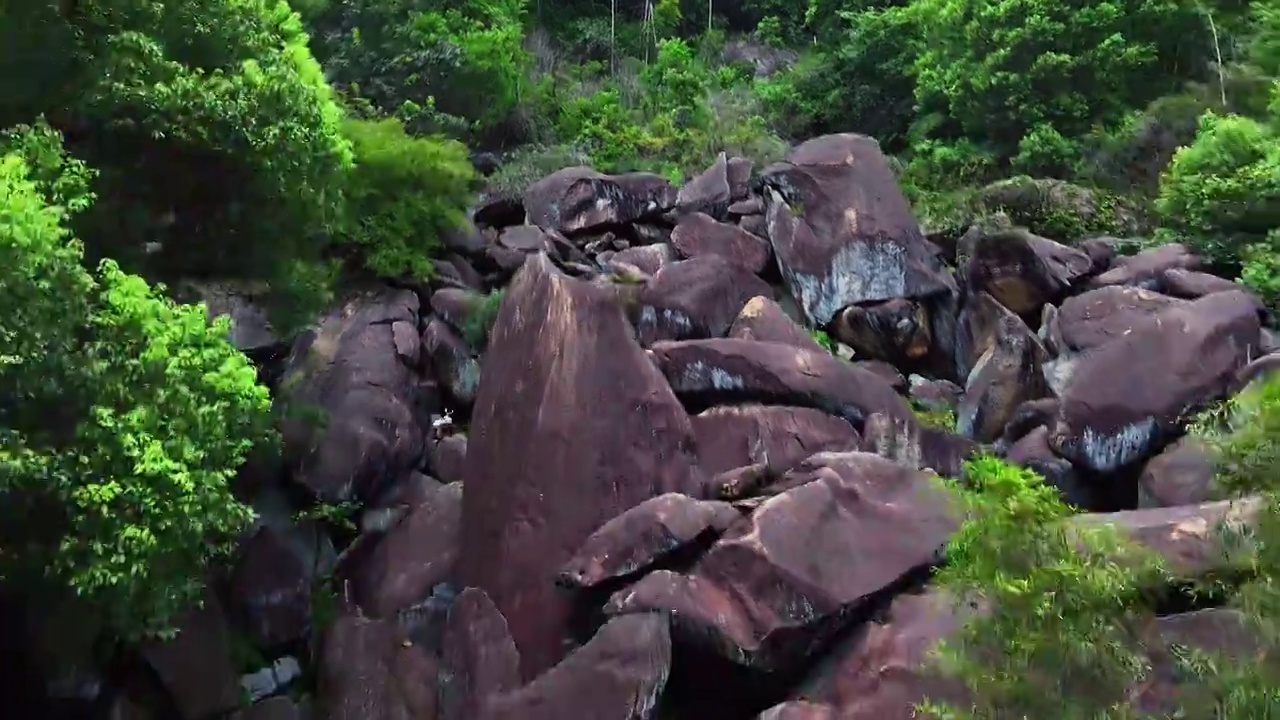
column 1222, row 192
column 862, row 82
column 1057, row 630
column 437, row 65
column 213, row 128
column 1001, row 70
column 122, row 417
column 404, row 194
column 483, row 314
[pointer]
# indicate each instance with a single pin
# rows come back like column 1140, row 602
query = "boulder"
column 774, row 587
column 579, row 199
column 572, row 426
column 736, row 435
column 692, row 299
column 699, row 235
column 843, row 232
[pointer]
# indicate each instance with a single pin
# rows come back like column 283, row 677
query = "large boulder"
column 580, row 199
column 732, row 436
column 692, row 299
column 773, row 588
column 572, row 426
column 843, row 232
column 1128, row 397
column 354, row 400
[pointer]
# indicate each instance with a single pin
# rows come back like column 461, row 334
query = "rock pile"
column 670, row 499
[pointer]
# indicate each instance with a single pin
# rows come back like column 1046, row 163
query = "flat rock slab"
column 643, row 535
column 771, row 589
column 618, row 675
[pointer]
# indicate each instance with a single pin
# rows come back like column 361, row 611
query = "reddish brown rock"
column 452, row 360
column 573, row 425
column 402, row 566
column 852, row 237
column 1192, row 284
column 353, row 372
column 618, row 675
column 737, row 435
column 579, row 199
column 648, row 258
column 694, row 299
column 271, row 588
column 455, row 305
column 274, row 708
column 699, row 235
column 742, row 370
column 709, row 192
column 1181, row 475
column 885, row 670
column 1188, row 537
column 480, row 660
column 1023, row 271
column 195, row 665
column 1125, row 398
column 368, row 670
column 448, row 457
column 886, row 371
column 1146, row 268
column 1097, row 317
column 1007, row 375
column 764, row 320
column 769, row 590
column 1032, row 451
column 643, row 535
column 915, row 446
column 975, row 332
column 1223, row 633
column 800, row 710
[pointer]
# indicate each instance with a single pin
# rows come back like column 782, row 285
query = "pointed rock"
column 480, row 660
column 573, row 425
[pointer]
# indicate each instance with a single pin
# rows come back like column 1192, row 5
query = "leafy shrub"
column 1222, row 192
column 403, row 195
column 123, row 416
column 1057, row 621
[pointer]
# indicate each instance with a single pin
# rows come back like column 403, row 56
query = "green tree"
column 123, row 415
column 998, row 71
column 213, row 129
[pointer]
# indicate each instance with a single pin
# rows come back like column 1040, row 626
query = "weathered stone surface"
column 618, row 675
column 455, row 305
column 1032, row 451
column 448, row 457
column 764, row 320
column 402, row 566
column 855, row 239
column 975, row 331
column 480, row 659
column 271, row 587
column 915, row 446
column 709, row 192
column 1188, row 537
column 1097, row 317
column 1128, row 395
column 579, row 199
column 935, row 395
column 1007, row 375
column 1023, row 271
column 369, row 671
column 643, row 535
column 743, row 370
column 351, row 372
column 885, row 670
column 699, row 235
column 1222, row 632
column 540, row 476
column 736, row 435
column 1192, row 284
column 648, row 258
column 770, row 588
column 692, row 299
column 897, row 331
column 452, row 360
column 195, row 666
column 1181, row 475
column 1147, row 267
column 274, row 708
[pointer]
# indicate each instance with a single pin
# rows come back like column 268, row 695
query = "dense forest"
column 299, row 149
